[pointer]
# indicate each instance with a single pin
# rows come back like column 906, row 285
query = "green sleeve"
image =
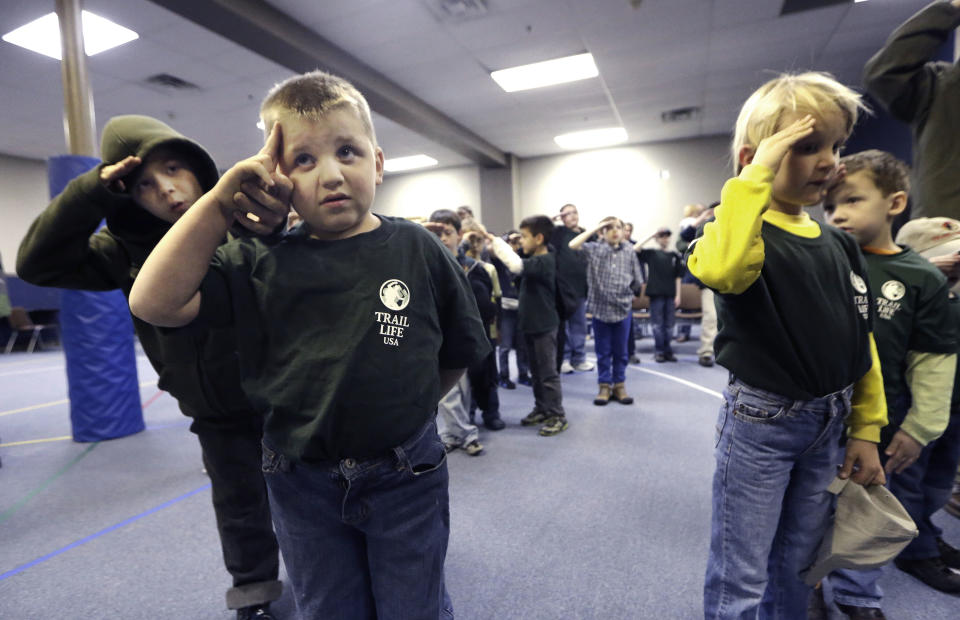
column 900, row 75
column 930, row 377
column 61, row 248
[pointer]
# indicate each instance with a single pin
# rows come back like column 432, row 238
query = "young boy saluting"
column 916, row 340
column 539, row 319
column 351, row 328
column 796, row 337
column 150, row 176
column 613, row 278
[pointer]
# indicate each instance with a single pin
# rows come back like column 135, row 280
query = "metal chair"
column 20, row 323
column 641, row 312
column 689, row 310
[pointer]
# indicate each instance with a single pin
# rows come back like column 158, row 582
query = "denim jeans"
column 510, row 338
column 923, row 489
column 775, row 458
column 611, row 344
column 662, row 317
column 576, row 327
column 364, row 539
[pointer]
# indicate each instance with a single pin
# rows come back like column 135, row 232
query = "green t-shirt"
column 663, row 269
column 955, row 320
column 538, row 295
column 801, row 329
column 341, row 342
column 912, row 314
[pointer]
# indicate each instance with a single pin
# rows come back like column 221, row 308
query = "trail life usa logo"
column 395, row 295
column 860, row 300
column 892, row 292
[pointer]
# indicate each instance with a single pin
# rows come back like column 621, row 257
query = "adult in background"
column 572, row 267
column 690, row 229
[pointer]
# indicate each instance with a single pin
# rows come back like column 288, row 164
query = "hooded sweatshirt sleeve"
column 62, row 247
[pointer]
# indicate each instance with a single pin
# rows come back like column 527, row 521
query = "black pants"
column 483, row 386
column 232, row 457
column 542, row 352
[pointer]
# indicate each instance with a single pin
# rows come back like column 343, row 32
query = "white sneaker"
column 584, row 366
column 566, row 368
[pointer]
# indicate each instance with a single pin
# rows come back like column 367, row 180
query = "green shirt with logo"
column 912, row 314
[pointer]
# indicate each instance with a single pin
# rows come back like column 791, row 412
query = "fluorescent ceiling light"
column 592, row 138
column 398, row 164
column 547, row 73
column 43, row 35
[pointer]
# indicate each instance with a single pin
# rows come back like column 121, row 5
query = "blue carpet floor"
column 608, row 520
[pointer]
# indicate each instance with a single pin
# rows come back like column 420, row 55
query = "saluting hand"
column 772, row 150
column 112, row 176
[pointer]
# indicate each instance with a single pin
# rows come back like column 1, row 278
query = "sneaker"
column 533, row 418
column 474, row 448
column 494, row 424
column 524, row 380
column 634, row 359
column 659, row 358
column 556, row 424
column 507, row 384
column 949, row 554
column 953, row 506
column 670, row 357
column 255, row 612
column 584, row 366
column 861, row 613
column 450, row 447
column 566, row 368
column 933, row 572
column 705, row 360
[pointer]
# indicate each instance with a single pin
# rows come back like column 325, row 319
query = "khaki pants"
column 708, row 324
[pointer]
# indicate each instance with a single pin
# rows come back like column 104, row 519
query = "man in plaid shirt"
column 613, row 278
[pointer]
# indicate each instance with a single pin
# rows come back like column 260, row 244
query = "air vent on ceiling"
column 165, row 80
column 679, row 115
column 457, row 10
column 799, row 6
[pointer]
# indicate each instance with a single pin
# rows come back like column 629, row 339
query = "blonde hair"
column 312, row 95
column 693, row 210
column 812, row 92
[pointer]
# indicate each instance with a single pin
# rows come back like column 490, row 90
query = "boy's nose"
column 330, row 175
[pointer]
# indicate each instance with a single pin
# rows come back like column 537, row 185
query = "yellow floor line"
column 23, row 443
column 53, row 403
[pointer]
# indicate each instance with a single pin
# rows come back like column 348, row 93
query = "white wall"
column 411, row 194
column 23, row 195
column 626, row 182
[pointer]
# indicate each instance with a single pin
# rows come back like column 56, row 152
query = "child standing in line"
column 352, row 326
column 916, row 341
column 509, row 334
column 795, row 316
column 613, row 278
column 539, row 319
column 665, row 268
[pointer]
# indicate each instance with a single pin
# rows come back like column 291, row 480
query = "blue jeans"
column 923, row 489
column 511, row 338
column 365, row 538
column 775, row 458
column 662, row 316
column 576, row 335
column 611, row 343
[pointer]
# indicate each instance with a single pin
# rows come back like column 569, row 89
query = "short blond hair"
column 313, row 95
column 693, row 210
column 812, row 92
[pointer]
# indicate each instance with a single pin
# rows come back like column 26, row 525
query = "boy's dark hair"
column 312, row 95
column 538, row 225
column 446, row 216
column 889, row 174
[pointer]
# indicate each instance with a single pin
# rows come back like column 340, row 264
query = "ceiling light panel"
column 42, row 35
column 546, row 73
column 592, row 138
column 399, row 164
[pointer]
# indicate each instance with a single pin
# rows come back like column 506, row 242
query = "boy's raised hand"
column 112, row 176
column 772, row 150
column 254, row 191
column 862, row 463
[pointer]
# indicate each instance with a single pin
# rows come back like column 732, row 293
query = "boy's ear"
column 898, row 203
column 745, row 156
column 379, row 161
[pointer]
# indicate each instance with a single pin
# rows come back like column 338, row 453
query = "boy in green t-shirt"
column 351, row 327
column 916, row 341
column 664, row 271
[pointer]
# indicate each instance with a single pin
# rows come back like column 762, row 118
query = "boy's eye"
column 807, row 148
column 346, row 151
column 303, row 159
column 173, row 167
